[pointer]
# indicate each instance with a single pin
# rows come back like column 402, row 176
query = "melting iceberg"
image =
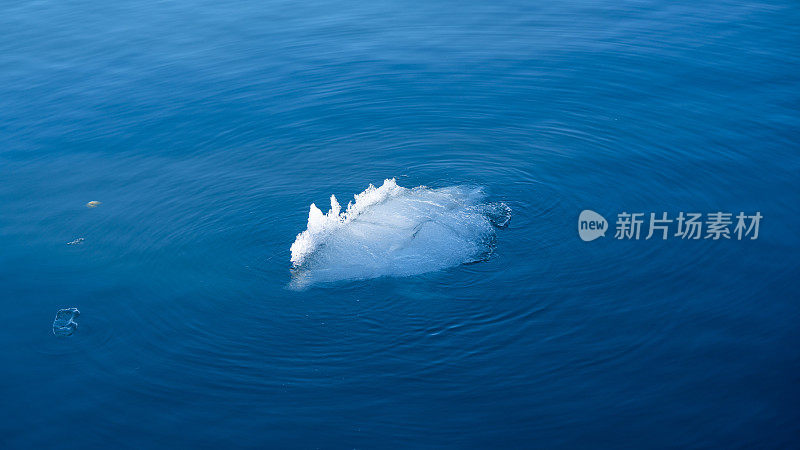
column 64, row 323
column 394, row 231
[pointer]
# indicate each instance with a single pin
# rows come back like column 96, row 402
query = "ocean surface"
column 206, row 129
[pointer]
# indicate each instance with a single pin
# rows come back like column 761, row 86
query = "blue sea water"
column 206, row 129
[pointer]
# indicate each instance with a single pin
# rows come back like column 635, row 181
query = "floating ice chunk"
column 394, row 231
column 64, row 323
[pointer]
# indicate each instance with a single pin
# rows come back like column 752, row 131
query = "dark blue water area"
column 207, row 128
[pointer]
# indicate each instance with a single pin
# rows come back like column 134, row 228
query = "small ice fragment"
column 64, row 325
column 76, row 242
column 93, row 204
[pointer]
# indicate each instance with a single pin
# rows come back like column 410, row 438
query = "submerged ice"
column 64, row 324
column 395, row 231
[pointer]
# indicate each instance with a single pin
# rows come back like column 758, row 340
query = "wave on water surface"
column 395, row 231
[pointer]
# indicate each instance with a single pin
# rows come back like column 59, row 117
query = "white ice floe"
column 394, row 231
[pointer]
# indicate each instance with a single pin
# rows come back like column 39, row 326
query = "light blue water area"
column 207, row 129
